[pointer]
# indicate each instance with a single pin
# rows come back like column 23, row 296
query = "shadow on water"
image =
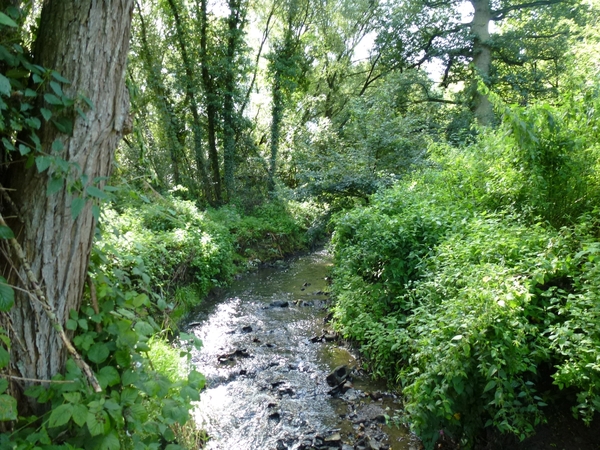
column 266, row 355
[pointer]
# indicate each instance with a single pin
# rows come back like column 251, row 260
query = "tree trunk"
column 234, row 23
column 211, row 104
column 162, row 99
column 482, row 59
column 276, row 118
column 87, row 42
column 190, row 93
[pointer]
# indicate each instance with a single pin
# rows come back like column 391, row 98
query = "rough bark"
column 87, row 42
column 482, row 58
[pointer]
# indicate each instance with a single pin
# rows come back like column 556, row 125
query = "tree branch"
column 501, row 13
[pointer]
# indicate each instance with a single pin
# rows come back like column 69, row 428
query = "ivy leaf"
column 3, row 385
column 5, row 20
column 60, row 415
column 4, row 85
column 8, row 408
column 7, row 297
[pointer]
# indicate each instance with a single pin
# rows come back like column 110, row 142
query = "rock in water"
column 338, row 376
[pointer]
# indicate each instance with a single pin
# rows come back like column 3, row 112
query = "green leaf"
column 108, row 376
column 144, row 328
column 58, row 77
column 7, row 296
column 5, row 88
column 71, row 325
column 95, row 192
column 63, row 125
column 46, row 113
column 80, row 414
column 491, row 385
column 54, row 185
column 56, row 88
column 52, row 99
column 8, row 408
column 98, row 353
column 76, row 206
column 5, row 20
column 6, row 232
column 57, row 145
column 97, row 423
column 110, row 442
column 3, row 385
column 4, row 357
column 7, row 144
column 61, row 415
column 24, row 149
column 43, row 163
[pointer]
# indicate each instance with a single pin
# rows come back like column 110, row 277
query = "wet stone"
column 247, row 329
column 279, row 304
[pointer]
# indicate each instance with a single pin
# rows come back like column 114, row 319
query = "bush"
column 471, row 282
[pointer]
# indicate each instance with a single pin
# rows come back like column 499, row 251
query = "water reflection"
column 266, row 385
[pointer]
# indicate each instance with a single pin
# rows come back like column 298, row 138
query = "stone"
column 338, row 376
column 279, row 304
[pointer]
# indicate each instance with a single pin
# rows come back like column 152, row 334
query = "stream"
column 267, row 353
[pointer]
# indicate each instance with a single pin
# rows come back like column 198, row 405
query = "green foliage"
column 158, row 246
column 460, row 285
column 145, row 399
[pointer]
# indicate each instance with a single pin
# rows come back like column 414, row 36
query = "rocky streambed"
column 278, row 377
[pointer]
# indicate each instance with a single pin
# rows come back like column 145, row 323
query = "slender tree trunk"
column 211, row 104
column 190, row 92
column 276, row 118
column 87, row 42
column 162, row 101
column 482, row 58
column 234, row 23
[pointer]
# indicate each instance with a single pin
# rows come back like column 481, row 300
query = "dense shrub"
column 471, row 281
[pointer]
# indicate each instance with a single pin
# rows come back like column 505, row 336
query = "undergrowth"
column 463, row 283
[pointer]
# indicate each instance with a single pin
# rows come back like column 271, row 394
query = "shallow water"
column 266, row 378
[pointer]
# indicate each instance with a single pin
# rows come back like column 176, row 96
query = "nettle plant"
column 130, row 403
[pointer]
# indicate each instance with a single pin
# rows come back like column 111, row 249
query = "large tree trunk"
column 87, row 42
column 482, row 58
